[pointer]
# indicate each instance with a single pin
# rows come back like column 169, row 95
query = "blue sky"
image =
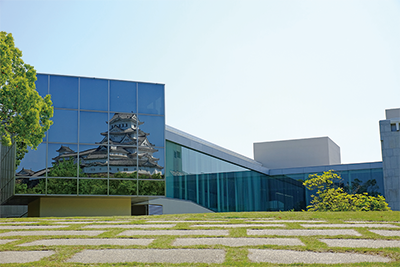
column 236, row 72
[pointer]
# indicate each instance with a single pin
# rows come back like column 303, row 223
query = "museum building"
column 109, row 152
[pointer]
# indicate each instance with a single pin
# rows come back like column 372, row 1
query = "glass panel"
column 30, row 185
column 123, row 161
column 151, row 98
column 61, row 186
column 93, row 161
column 151, row 188
column 92, row 187
column 42, row 84
column 123, row 96
column 123, row 187
column 64, row 91
column 65, row 127
column 62, row 160
column 34, row 163
column 153, row 127
column 94, row 94
column 149, row 164
column 93, row 127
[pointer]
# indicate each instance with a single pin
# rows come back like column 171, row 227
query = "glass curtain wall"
column 223, row 187
column 107, row 139
column 353, row 181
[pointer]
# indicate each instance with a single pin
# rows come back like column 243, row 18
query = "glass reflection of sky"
column 92, row 124
column 94, row 94
column 122, row 96
column 151, row 98
column 34, row 160
column 65, row 126
column 64, row 91
column 154, row 125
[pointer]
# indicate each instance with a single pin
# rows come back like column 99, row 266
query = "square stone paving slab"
column 150, row 255
column 5, row 241
column 386, row 232
column 23, row 256
column 237, row 242
column 287, row 221
column 290, row 256
column 90, row 242
column 238, row 225
column 130, row 226
column 174, row 232
column 303, row 232
column 361, row 243
column 41, row 233
column 350, row 225
column 18, row 227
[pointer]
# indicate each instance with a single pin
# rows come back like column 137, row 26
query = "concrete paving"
column 5, row 241
column 23, row 256
column 41, row 233
column 287, row 221
column 302, row 232
column 185, row 221
column 89, row 242
column 150, row 256
column 386, row 232
column 349, row 225
column 175, row 232
column 238, row 225
column 8, row 223
column 290, row 256
column 237, row 242
column 85, row 222
column 20, row 227
column 130, row 226
column 361, row 243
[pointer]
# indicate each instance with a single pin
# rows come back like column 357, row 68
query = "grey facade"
column 390, row 142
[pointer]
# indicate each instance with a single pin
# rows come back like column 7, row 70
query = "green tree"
column 24, row 114
column 331, row 198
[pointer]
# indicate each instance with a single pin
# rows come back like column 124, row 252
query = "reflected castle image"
column 129, row 150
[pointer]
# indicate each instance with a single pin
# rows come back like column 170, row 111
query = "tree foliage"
column 331, row 198
column 24, row 114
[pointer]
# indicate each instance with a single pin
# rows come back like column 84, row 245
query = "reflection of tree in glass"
column 358, row 187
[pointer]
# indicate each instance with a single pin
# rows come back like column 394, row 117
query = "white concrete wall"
column 297, row 153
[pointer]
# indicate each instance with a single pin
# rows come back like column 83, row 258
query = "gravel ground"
column 289, row 256
column 237, row 242
column 150, row 255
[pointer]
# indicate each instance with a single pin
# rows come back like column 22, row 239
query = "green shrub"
column 329, row 198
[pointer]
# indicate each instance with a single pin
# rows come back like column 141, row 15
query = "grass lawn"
column 235, row 256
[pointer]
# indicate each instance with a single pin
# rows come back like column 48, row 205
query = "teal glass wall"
column 107, row 139
column 353, row 181
column 221, row 186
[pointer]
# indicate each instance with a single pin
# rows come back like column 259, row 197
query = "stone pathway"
column 237, row 242
column 347, row 225
column 20, row 227
column 287, row 221
column 302, row 232
column 290, row 256
column 174, row 232
column 150, row 255
column 23, row 256
column 361, row 243
column 238, row 225
column 40, row 233
column 95, row 226
column 86, row 222
column 89, row 242
column 386, row 232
